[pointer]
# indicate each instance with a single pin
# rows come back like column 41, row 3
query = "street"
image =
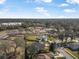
column 64, row 53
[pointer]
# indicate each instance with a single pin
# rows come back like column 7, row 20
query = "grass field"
column 32, row 37
column 2, row 32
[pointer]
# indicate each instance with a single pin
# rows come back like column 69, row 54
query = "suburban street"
column 64, row 53
column 43, row 56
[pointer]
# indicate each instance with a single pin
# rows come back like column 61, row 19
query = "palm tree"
column 4, row 46
column 19, row 43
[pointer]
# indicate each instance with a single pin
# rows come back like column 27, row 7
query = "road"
column 65, row 54
column 3, row 35
column 42, row 56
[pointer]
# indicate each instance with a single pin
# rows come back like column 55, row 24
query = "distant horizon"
column 6, row 20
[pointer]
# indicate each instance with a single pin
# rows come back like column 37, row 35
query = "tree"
column 4, row 46
column 19, row 43
column 34, row 48
column 47, row 24
column 61, row 37
column 2, row 56
column 52, row 47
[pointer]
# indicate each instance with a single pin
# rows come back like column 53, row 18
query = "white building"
column 11, row 23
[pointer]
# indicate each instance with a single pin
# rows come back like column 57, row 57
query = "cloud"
column 60, row 17
column 41, row 10
column 47, row 1
column 63, row 5
column 40, row 1
column 2, row 1
column 5, row 10
column 73, row 1
column 69, row 10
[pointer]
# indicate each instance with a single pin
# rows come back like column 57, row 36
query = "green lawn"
column 32, row 37
column 50, row 38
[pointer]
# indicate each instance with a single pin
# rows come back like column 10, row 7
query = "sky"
column 39, row 8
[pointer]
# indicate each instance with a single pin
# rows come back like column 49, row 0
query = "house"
column 4, row 36
column 73, row 46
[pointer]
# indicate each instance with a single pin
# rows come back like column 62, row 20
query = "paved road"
column 43, row 56
column 65, row 54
